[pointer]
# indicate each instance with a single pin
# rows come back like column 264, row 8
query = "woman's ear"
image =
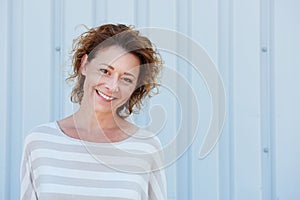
column 83, row 64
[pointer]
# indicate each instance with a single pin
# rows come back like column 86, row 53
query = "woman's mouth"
column 104, row 96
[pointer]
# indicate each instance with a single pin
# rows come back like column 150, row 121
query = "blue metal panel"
column 4, row 100
column 57, row 49
column 99, row 10
column 225, row 60
column 15, row 97
column 36, row 64
column 117, row 12
column 246, row 99
column 252, row 160
column 184, row 168
column 204, row 30
column 141, row 13
column 73, row 20
column 287, row 98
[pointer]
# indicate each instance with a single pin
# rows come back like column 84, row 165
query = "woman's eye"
column 128, row 80
column 104, row 71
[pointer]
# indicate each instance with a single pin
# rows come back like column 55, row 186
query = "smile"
column 108, row 98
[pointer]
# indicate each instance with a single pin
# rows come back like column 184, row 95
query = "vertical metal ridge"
column 141, row 13
column 99, row 12
column 185, row 164
column 141, row 21
column 14, row 96
column 272, row 103
column 189, row 74
column 9, row 98
column 189, row 32
column 225, row 57
column 94, row 12
column 4, row 101
column 56, row 71
column 63, row 88
column 231, row 107
column 267, row 102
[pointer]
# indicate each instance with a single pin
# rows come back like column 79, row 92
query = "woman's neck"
column 91, row 121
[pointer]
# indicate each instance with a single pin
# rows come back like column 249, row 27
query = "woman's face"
column 110, row 79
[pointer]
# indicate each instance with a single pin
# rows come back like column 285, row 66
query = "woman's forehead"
column 117, row 57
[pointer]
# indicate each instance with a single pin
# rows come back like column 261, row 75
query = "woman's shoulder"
column 148, row 138
column 44, row 128
column 41, row 131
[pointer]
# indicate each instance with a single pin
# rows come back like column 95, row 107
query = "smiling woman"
column 96, row 153
column 112, row 75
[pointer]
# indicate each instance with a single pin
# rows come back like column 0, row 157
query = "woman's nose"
column 112, row 83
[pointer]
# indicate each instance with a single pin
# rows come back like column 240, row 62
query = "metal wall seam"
column 14, row 97
column 272, row 102
column 57, row 49
column 4, row 100
column 267, row 101
column 99, row 12
column 231, row 106
column 225, row 62
column 141, row 21
column 141, row 15
column 184, row 164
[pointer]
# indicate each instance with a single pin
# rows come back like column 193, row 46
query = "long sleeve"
column 57, row 167
column 26, row 180
column 157, row 181
column 157, row 185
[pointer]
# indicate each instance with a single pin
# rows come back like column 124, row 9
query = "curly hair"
column 126, row 37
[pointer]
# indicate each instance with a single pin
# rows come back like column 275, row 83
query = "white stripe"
column 139, row 146
column 45, row 137
column 60, row 155
column 81, row 174
column 85, row 157
column 77, row 190
column 39, row 136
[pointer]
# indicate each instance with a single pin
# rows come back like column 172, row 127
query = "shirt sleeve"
column 157, row 185
column 26, row 178
column 157, row 179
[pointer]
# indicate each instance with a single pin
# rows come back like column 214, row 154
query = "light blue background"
column 255, row 45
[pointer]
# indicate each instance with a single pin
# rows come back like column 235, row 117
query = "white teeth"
column 105, row 96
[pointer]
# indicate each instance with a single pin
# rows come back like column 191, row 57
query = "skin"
column 110, row 79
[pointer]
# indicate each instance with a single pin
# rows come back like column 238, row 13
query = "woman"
column 96, row 153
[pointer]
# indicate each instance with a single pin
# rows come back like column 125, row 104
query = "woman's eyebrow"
column 112, row 68
column 129, row 74
column 109, row 66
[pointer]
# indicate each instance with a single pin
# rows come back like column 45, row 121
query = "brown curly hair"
column 95, row 39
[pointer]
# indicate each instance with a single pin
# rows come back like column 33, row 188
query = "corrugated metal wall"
column 254, row 44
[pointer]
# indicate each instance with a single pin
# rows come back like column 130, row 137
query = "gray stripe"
column 77, row 165
column 28, row 193
column 90, row 183
column 24, row 169
column 81, row 148
column 45, row 129
column 111, row 156
column 49, row 196
column 152, row 195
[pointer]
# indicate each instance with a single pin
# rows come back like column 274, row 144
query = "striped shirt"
column 56, row 166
